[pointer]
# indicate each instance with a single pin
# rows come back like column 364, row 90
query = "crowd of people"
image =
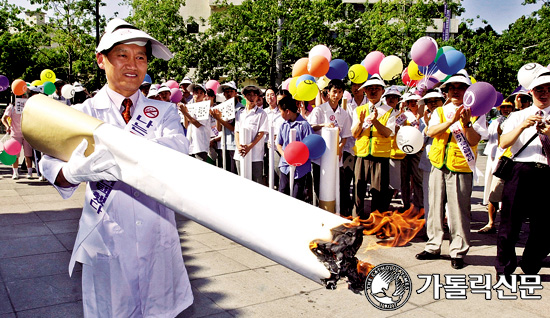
column 437, row 179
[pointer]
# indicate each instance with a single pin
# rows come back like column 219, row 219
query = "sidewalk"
column 38, row 228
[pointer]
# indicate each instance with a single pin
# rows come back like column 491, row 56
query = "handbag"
column 505, row 165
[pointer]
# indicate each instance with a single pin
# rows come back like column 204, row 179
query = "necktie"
column 545, row 141
column 127, row 103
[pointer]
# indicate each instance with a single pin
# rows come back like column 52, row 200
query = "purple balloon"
column 500, row 99
column 176, row 96
column 423, row 51
column 4, row 83
column 480, row 97
column 451, row 62
column 338, row 69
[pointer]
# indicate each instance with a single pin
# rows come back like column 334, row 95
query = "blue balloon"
column 316, row 146
column 428, row 70
column 451, row 62
column 305, row 77
column 338, row 69
column 148, row 79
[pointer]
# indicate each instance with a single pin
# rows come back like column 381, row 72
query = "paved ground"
column 37, row 232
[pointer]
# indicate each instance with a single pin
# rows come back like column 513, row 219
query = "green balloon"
column 7, row 159
column 443, row 50
column 49, row 88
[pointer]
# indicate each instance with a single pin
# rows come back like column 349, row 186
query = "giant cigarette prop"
column 329, row 162
column 265, row 221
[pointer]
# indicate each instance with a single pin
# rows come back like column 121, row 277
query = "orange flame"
column 364, row 268
column 403, row 227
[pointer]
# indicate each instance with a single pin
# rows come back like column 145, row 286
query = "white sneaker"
column 29, row 175
column 15, row 175
column 41, row 178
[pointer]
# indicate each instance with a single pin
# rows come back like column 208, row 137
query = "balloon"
column 414, row 72
column 347, row 95
column 19, row 87
column 300, row 67
column 500, row 99
column 480, row 98
column 409, row 140
column 338, row 69
column 292, row 86
column 7, row 159
column 424, row 51
column 320, row 50
column 440, row 76
column 430, row 82
column 36, row 83
column 528, row 72
column 284, row 85
column 372, row 62
column 358, row 73
column 407, row 79
column 148, row 78
column 212, row 84
column 305, row 77
column 176, row 96
column 390, row 67
column 49, row 88
column 306, row 90
column 4, row 83
column 172, row 84
column 451, row 62
column 47, row 76
column 12, row 147
column 442, row 50
column 322, row 82
column 316, row 146
column 67, row 91
column 296, row 153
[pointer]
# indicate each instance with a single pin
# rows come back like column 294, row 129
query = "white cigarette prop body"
column 246, row 161
column 271, row 149
column 327, row 180
column 270, row 223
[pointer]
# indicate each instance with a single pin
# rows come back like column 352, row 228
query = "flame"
column 364, row 268
column 403, row 227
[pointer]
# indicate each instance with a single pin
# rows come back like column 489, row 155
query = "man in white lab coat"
column 127, row 243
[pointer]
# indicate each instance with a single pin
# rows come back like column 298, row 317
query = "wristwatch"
column 468, row 124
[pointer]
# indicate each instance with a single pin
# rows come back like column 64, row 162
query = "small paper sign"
column 199, row 111
column 227, row 109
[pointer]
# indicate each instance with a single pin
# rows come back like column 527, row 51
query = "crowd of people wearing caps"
column 135, row 268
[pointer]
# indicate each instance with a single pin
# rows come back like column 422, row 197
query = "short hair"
column 210, row 92
column 336, row 83
column 284, row 92
column 148, row 50
column 288, row 103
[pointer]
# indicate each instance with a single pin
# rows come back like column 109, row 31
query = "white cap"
column 186, row 80
column 460, row 77
column 120, row 31
column 153, row 91
column 220, row 98
column 78, row 87
column 228, row 85
column 434, row 94
column 541, row 79
column 192, row 87
column 163, row 88
column 410, row 96
column 374, row 80
column 392, row 90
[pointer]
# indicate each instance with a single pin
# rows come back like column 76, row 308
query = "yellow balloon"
column 358, row 73
column 390, row 67
column 414, row 72
column 292, row 85
column 306, row 91
column 473, row 80
column 36, row 83
column 47, row 76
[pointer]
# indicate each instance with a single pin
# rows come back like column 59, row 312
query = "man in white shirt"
column 255, row 119
column 128, row 243
column 526, row 192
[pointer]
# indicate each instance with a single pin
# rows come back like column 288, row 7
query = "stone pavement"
column 38, row 228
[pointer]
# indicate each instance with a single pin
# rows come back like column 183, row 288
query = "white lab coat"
column 130, row 250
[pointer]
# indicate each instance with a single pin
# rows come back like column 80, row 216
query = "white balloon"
column 528, row 72
column 439, row 75
column 409, row 140
column 67, row 91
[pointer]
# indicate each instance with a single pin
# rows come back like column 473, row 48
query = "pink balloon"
column 347, row 95
column 372, row 62
column 212, row 84
column 176, row 96
column 423, row 51
column 286, row 83
column 321, row 50
column 172, row 84
column 12, row 147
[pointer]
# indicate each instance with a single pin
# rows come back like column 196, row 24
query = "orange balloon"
column 300, row 67
column 19, row 87
column 318, row 65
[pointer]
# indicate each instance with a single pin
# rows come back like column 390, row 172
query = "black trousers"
column 525, row 195
column 300, row 186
